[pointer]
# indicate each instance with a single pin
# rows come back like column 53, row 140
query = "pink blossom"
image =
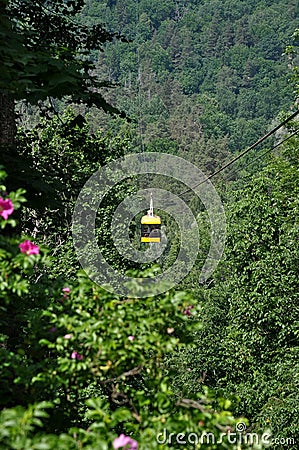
column 187, row 311
column 131, row 338
column 29, row 248
column 76, row 355
column 6, row 208
column 67, row 336
column 126, row 442
column 66, row 290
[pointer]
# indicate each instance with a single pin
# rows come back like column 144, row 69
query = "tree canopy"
column 46, row 52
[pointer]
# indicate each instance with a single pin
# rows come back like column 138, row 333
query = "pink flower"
column 29, row 248
column 67, row 336
column 66, row 290
column 6, row 208
column 125, row 442
column 76, row 355
column 131, row 338
column 187, row 311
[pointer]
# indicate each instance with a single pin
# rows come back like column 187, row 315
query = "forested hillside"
column 186, row 343
column 200, row 74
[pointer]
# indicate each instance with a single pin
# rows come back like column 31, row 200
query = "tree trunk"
column 8, row 127
column 8, row 157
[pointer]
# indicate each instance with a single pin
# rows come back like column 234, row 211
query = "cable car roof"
column 148, row 220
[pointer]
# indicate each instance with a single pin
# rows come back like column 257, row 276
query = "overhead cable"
column 232, row 161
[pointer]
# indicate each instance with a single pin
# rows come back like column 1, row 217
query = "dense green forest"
column 191, row 343
column 204, row 74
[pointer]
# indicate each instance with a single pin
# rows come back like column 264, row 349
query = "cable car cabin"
column 150, row 228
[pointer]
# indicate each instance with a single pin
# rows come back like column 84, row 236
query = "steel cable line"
column 268, row 151
column 150, row 220
column 232, row 161
column 138, row 81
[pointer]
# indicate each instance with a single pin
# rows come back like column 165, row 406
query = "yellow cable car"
column 151, row 226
